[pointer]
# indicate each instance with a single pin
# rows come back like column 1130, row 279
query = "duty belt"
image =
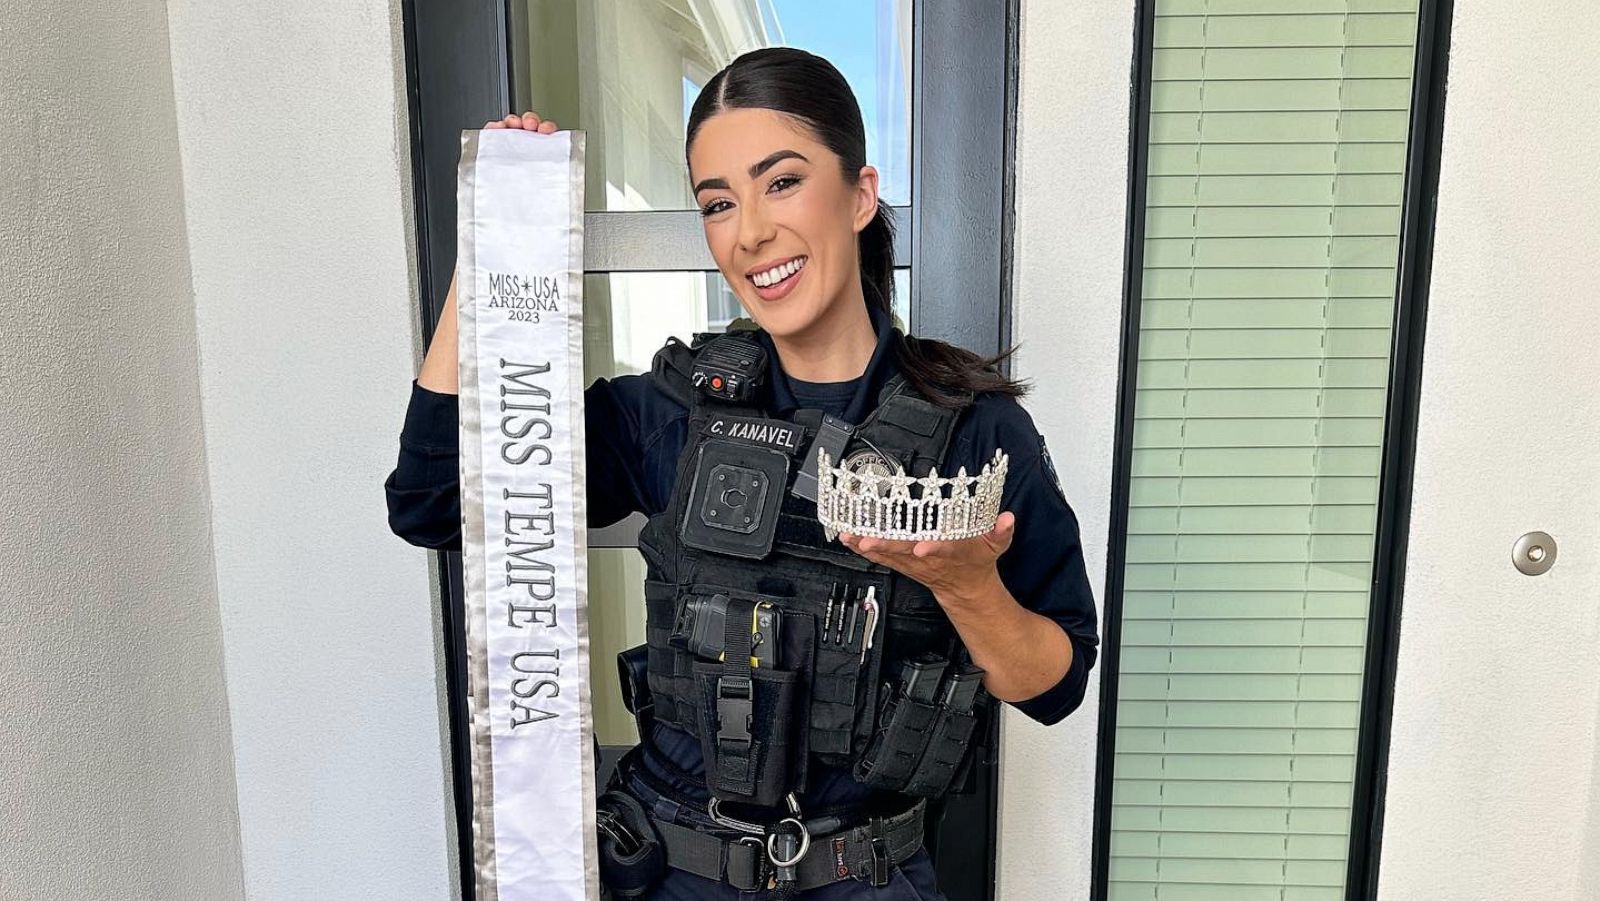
column 863, row 852
column 817, row 850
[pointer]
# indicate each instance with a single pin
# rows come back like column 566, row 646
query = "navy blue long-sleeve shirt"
column 636, row 433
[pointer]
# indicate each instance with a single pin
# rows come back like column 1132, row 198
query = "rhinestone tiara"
column 883, row 505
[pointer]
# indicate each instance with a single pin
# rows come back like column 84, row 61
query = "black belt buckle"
column 746, row 872
column 735, row 706
column 880, row 862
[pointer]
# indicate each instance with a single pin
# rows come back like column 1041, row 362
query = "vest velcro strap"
column 913, row 415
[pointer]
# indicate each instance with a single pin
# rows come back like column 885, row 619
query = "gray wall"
column 116, row 771
column 293, row 122
column 1071, row 207
column 206, row 338
column 1497, row 690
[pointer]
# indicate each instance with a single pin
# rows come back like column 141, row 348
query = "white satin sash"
column 524, row 538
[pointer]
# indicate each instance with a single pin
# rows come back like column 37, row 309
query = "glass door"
column 626, row 72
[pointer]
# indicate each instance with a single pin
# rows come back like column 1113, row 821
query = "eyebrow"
column 771, row 160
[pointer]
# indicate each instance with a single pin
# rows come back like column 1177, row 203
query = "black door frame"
column 458, row 68
column 1424, row 145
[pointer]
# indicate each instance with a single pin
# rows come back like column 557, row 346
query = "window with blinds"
column 1277, row 147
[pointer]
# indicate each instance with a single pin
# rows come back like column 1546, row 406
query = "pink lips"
column 781, row 289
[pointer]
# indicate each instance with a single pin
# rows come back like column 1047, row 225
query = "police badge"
column 867, row 462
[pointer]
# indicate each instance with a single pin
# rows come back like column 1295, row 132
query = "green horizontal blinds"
column 1277, row 146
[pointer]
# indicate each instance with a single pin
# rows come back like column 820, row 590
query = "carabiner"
column 731, row 823
column 713, row 809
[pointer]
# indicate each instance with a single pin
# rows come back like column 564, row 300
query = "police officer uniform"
column 795, row 701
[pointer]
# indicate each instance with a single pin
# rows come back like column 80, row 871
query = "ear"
column 866, row 197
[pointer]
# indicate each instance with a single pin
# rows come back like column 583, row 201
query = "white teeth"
column 778, row 273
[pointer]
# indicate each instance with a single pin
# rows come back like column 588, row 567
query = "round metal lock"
column 1534, row 553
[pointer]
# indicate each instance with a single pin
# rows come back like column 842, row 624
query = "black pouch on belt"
column 632, row 858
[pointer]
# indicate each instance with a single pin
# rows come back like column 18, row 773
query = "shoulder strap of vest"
column 672, row 367
column 908, row 425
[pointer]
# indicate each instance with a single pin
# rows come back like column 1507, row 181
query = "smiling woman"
column 797, row 693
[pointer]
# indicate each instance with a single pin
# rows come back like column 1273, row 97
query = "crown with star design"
column 876, row 503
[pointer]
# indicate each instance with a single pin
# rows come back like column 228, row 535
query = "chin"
column 784, row 323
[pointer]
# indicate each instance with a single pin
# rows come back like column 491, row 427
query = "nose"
column 755, row 227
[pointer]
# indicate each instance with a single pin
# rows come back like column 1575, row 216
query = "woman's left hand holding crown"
column 957, row 572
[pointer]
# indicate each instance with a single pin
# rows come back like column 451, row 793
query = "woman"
column 776, row 156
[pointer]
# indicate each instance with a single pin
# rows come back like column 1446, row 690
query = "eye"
column 712, row 208
column 784, row 181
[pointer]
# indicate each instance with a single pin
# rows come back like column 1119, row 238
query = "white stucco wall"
column 295, row 163
column 116, row 774
column 1071, row 208
column 1493, row 753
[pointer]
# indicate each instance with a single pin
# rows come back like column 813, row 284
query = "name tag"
column 784, row 436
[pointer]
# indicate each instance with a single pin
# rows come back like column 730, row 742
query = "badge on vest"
column 775, row 433
column 869, row 462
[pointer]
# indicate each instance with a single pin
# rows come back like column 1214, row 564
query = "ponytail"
column 942, row 372
column 875, row 248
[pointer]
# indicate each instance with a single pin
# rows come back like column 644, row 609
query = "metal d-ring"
column 805, row 844
column 805, row 836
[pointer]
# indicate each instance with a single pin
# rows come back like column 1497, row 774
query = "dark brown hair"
column 809, row 88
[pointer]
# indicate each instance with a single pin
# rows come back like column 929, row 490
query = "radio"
column 730, row 370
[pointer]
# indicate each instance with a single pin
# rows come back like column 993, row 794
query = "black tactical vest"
column 772, row 644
